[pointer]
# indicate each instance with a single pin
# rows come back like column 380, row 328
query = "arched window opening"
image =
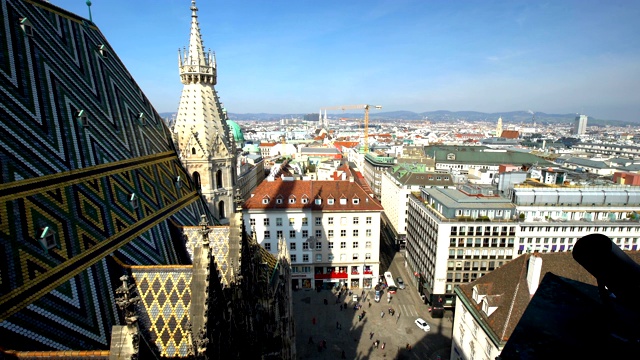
column 221, row 213
column 219, row 179
column 196, row 179
column 193, row 151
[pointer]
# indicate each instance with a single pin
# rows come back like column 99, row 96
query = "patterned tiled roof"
column 166, row 297
column 310, row 190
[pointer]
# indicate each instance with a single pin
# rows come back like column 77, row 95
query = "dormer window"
column 26, row 26
column 82, row 118
column 305, row 200
column 485, row 307
column 178, row 182
column 356, row 201
column 133, row 200
column 343, row 201
column 142, row 118
column 475, row 294
column 102, row 49
column 265, row 200
column 292, row 200
column 278, row 201
column 451, row 156
column 47, row 238
column 330, row 201
column 318, row 201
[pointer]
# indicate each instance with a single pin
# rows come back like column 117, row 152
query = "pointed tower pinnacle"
column 201, row 133
column 499, row 127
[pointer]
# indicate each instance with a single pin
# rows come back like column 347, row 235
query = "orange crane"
column 366, row 118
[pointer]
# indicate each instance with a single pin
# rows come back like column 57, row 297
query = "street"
column 343, row 331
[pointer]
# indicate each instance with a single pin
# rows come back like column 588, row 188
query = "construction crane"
column 366, row 118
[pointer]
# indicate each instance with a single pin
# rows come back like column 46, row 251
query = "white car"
column 422, row 324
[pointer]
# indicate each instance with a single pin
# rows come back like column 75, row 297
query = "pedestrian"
column 369, row 303
column 370, row 335
column 375, row 343
column 324, row 344
column 310, row 340
column 340, row 307
column 337, row 325
column 381, row 315
column 344, row 356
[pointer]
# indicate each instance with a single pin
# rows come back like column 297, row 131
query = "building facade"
column 580, row 125
column 332, row 230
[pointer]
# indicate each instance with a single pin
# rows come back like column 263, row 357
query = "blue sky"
column 297, row 56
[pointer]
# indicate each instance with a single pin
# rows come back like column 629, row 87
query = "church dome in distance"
column 237, row 132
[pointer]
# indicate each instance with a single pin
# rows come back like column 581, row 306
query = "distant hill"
column 512, row 117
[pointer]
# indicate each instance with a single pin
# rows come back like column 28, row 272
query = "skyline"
column 295, row 57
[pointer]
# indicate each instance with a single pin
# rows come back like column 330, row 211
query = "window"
column 318, row 245
column 278, row 201
column 292, row 222
column 355, row 244
column 343, row 257
column 330, row 220
column 81, row 115
column 305, row 258
column 318, row 257
column 356, row 201
column 265, row 222
column 343, row 201
column 367, row 256
column 318, row 234
column 330, row 201
column 267, row 246
column 368, row 219
column 278, row 221
column 133, row 200
column 305, row 246
column 356, row 220
column 330, row 257
column 343, row 233
column 329, row 234
column 306, row 269
column 292, row 246
column 368, row 232
column 305, row 221
column 292, row 200
column 305, row 234
column 264, row 200
column 343, row 245
column 294, row 258
column 343, row 221
column 252, row 222
column 318, row 221
column 48, row 238
column 367, row 244
column 355, row 256
column 292, row 234
column 355, row 233
column 279, row 234
column 267, row 234
column 318, row 201
column 330, row 244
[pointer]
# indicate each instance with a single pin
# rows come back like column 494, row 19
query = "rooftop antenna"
column 89, row 6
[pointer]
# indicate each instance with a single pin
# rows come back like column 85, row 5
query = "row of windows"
column 483, row 230
column 330, row 257
column 473, row 265
column 318, row 245
column 318, row 221
column 481, row 242
column 580, row 228
column 318, row 234
column 305, row 200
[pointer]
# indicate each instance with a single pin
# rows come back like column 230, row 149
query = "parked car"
column 422, row 324
column 400, row 283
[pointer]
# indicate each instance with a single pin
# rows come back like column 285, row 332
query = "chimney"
column 533, row 272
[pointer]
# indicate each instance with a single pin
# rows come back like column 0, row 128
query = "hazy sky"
column 296, row 56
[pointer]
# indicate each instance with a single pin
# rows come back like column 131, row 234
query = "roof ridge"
column 513, row 299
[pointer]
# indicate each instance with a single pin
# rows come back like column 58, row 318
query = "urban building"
column 456, row 236
column 398, row 182
column 490, row 309
column 332, row 230
column 374, row 165
column 580, row 125
column 459, row 159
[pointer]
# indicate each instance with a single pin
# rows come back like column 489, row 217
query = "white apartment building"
column 397, row 183
column 455, row 237
column 332, row 229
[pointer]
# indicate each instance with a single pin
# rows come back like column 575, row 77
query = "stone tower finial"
column 196, row 66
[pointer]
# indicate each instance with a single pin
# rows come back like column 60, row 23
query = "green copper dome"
column 237, row 133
